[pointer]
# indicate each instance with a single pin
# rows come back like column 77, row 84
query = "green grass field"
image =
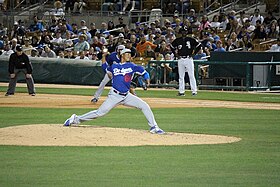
column 254, row 161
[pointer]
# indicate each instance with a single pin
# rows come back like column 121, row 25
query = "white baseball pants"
column 115, row 99
column 186, row 65
column 101, row 86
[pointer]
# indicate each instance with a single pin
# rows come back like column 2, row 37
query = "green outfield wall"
column 59, row 71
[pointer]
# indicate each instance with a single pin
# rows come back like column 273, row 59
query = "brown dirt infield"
column 57, row 135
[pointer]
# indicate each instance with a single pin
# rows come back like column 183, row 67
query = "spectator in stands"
column 223, row 19
column 79, row 6
column 275, row 47
column 92, row 55
column 259, row 32
column 96, row 43
column 149, row 53
column 191, row 16
column 182, row 6
column 111, row 44
column 84, row 30
column 67, row 42
column 93, row 29
column 68, row 26
column 69, row 54
column 27, row 47
column 48, row 53
column 121, row 24
column 34, row 53
column 3, row 30
column 215, row 22
column 230, row 45
column 133, row 40
column 246, row 43
column 175, row 16
column 75, row 29
column 204, row 24
column 178, row 25
column 57, row 41
column 17, row 30
column 170, row 35
column 58, row 11
column 82, row 44
column 195, row 25
column 235, row 27
column 201, row 54
column 273, row 32
column 142, row 46
column 157, row 38
column 120, row 39
column 220, row 47
column 133, row 49
column 242, row 18
column 46, row 42
column 162, row 49
column 60, row 54
column 256, row 17
column 101, row 38
column 104, row 28
column 14, row 43
column 36, row 25
column 268, row 19
column 7, row 50
column 82, row 56
column 69, row 5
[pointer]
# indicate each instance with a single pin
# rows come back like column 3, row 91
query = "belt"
column 186, row 56
column 117, row 92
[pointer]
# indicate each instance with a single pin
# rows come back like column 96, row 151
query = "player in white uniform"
column 121, row 75
column 185, row 48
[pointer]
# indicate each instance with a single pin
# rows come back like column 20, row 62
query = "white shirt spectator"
column 275, row 48
column 82, row 58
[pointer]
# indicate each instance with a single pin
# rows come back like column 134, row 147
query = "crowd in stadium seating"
column 61, row 39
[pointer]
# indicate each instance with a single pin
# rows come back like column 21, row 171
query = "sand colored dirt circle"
column 57, row 135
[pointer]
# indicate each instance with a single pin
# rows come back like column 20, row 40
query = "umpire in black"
column 19, row 62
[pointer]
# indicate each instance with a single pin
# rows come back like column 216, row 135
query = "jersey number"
column 188, row 44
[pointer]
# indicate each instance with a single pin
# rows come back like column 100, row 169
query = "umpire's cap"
column 125, row 51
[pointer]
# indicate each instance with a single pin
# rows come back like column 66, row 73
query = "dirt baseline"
column 57, row 135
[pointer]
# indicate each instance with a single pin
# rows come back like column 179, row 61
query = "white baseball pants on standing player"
column 114, row 99
column 186, row 65
column 101, row 86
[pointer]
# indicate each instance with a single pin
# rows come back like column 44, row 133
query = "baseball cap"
column 121, row 47
column 121, row 35
column 125, row 51
column 18, row 48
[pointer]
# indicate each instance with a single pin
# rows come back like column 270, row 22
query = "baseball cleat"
column 144, row 86
column 70, row 120
column 180, row 94
column 94, row 100
column 194, row 94
column 8, row 94
column 32, row 94
column 156, row 130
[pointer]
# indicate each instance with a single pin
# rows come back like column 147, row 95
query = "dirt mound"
column 57, row 135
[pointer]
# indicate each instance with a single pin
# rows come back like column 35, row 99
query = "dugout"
column 229, row 69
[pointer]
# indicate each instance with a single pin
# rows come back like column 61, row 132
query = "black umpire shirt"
column 186, row 46
column 19, row 62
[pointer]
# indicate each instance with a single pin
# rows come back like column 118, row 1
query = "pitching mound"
column 57, row 135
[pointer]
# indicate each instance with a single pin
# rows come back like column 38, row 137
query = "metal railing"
column 155, row 65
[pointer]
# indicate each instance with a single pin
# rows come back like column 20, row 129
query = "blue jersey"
column 122, row 75
column 113, row 58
